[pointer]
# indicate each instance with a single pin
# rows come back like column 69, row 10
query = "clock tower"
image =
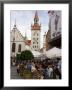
column 35, row 33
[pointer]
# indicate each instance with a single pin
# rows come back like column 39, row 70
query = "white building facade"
column 44, row 43
column 17, row 42
column 54, row 23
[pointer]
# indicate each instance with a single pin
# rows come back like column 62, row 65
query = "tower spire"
column 36, row 25
column 25, row 36
column 36, row 15
column 15, row 23
column 36, row 19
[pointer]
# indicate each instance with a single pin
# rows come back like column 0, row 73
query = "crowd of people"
column 46, row 69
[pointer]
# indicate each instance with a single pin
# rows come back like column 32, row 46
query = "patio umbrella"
column 36, row 53
column 43, row 56
column 54, row 52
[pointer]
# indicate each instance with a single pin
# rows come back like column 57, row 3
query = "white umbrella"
column 36, row 53
column 54, row 52
column 43, row 56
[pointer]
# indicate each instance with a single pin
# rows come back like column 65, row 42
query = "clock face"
column 35, row 20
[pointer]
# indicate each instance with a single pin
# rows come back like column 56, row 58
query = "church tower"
column 35, row 33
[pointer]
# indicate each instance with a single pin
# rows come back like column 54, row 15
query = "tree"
column 18, row 57
column 26, row 55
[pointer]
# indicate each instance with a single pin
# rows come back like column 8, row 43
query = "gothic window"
column 37, row 42
column 37, row 38
column 33, row 42
column 19, row 48
column 13, row 47
column 56, row 21
column 33, row 46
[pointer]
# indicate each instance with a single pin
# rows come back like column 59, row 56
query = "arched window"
column 33, row 42
column 13, row 47
column 19, row 48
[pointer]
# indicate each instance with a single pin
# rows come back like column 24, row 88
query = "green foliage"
column 18, row 57
column 26, row 55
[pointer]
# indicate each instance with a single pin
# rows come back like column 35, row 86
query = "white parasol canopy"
column 54, row 52
column 43, row 56
column 36, row 53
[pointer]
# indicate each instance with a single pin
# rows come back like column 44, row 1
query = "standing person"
column 46, row 73
column 57, row 72
column 33, row 67
column 50, row 72
column 18, row 68
column 29, row 66
column 54, row 75
column 59, row 66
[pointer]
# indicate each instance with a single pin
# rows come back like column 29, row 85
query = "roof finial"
column 25, row 36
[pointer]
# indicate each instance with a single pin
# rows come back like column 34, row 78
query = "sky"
column 24, row 19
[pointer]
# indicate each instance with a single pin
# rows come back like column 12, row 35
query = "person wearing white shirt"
column 50, row 72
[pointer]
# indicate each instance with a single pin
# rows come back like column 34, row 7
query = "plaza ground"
column 14, row 74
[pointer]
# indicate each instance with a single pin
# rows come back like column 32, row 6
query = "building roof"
column 35, row 27
column 28, row 42
column 15, row 29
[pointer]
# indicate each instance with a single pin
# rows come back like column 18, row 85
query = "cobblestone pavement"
column 14, row 74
